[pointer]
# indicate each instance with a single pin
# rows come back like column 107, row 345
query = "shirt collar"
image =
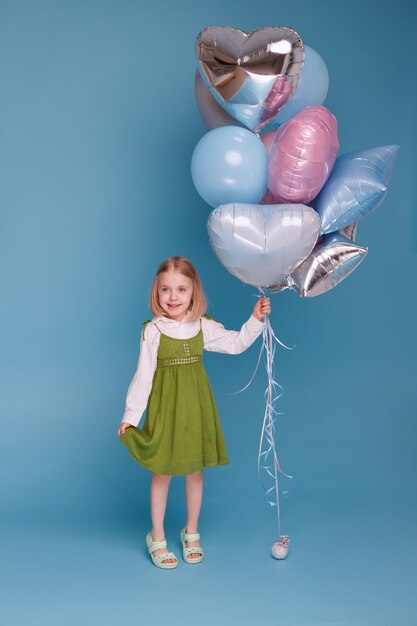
column 168, row 320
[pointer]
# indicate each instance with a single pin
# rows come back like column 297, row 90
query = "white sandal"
column 194, row 550
column 160, row 558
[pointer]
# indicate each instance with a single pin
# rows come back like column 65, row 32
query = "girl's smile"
column 175, row 292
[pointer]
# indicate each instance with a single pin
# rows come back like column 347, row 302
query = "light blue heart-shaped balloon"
column 261, row 244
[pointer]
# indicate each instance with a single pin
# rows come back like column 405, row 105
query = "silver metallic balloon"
column 211, row 112
column 251, row 75
column 356, row 186
column 331, row 261
column 350, row 231
column 261, row 244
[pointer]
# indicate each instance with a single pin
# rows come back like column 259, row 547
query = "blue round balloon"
column 230, row 164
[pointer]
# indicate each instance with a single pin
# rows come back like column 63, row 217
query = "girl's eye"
column 182, row 289
column 164, row 288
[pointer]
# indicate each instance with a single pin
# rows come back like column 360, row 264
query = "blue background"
column 97, row 128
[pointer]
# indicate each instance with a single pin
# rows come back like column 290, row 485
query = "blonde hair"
column 182, row 265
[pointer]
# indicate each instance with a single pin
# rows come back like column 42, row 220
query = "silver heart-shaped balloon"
column 251, row 75
column 261, row 244
column 211, row 112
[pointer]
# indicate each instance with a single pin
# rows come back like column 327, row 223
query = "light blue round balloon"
column 311, row 90
column 230, row 164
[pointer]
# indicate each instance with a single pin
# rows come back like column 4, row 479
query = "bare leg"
column 194, row 496
column 159, row 494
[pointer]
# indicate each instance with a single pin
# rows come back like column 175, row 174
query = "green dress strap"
column 208, row 317
column 144, row 324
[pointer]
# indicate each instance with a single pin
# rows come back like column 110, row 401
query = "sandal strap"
column 191, row 537
column 164, row 557
column 193, row 550
column 157, row 545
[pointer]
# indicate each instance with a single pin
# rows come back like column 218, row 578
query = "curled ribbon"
column 267, row 455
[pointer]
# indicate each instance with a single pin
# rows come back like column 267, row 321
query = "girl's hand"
column 262, row 308
column 124, row 426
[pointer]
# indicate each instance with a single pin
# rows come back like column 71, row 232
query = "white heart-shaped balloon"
column 261, row 244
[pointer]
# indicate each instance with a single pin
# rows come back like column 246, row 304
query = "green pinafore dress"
column 181, row 433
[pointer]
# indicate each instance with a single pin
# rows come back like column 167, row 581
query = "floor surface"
column 352, row 561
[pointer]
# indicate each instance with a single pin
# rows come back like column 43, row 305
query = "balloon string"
column 267, row 445
column 253, row 375
column 234, row 393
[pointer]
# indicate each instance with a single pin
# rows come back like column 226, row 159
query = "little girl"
column 181, row 433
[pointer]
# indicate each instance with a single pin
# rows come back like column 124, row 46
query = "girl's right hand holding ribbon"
column 262, row 308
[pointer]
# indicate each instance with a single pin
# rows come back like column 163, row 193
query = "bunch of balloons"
column 285, row 205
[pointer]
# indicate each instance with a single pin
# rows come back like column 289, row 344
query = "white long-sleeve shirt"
column 216, row 339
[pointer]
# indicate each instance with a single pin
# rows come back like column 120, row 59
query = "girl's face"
column 174, row 293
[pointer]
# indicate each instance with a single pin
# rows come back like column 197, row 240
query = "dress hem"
column 169, row 473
